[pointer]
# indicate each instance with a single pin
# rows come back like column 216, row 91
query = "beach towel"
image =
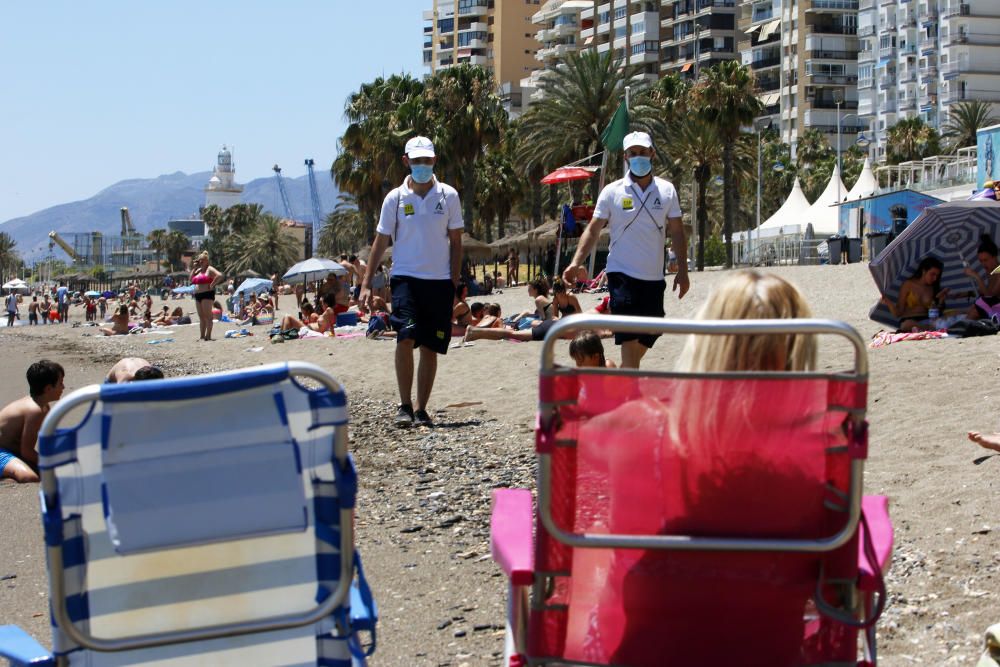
column 884, row 338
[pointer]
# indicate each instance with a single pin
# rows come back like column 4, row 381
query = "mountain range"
column 152, row 202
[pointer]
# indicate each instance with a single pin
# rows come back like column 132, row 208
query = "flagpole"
column 600, row 187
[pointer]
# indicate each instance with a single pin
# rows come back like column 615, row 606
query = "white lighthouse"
column 222, row 189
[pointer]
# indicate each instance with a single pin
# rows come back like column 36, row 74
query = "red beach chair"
column 695, row 519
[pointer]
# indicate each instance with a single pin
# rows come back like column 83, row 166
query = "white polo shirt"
column 419, row 229
column 637, row 224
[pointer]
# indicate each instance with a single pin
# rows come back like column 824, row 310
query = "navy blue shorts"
column 631, row 296
column 421, row 311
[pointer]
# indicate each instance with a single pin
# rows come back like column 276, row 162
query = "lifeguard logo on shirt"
column 408, row 209
column 656, row 203
column 439, row 208
column 627, row 203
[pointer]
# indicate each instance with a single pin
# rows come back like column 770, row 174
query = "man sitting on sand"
column 132, row 369
column 21, row 420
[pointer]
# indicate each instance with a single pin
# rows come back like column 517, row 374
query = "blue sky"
column 95, row 92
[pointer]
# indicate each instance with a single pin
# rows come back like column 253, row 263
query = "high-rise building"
column 496, row 34
column 918, row 58
column 630, row 30
column 804, row 55
column 697, row 34
column 557, row 24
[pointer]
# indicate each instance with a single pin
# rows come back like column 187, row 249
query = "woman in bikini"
column 988, row 302
column 204, row 277
column 309, row 319
column 119, row 323
column 461, row 313
column 918, row 295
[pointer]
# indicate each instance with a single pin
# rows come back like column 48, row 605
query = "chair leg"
column 516, row 634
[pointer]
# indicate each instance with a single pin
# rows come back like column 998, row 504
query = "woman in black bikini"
column 204, row 278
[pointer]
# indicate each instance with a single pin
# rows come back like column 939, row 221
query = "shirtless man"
column 21, row 420
column 127, row 369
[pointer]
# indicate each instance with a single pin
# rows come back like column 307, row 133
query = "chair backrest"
column 696, row 515
column 203, row 516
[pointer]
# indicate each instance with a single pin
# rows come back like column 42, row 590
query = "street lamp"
column 838, row 99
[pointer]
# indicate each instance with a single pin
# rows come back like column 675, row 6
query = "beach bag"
column 290, row 334
column 973, row 328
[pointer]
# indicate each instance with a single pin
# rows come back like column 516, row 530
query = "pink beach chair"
column 695, row 519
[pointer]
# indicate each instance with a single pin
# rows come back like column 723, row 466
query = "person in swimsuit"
column 21, row 420
column 309, row 319
column 33, row 311
column 461, row 313
column 587, row 351
column 204, row 277
column 119, row 323
column 989, row 290
column 918, row 295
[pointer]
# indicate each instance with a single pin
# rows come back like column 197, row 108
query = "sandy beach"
column 423, row 509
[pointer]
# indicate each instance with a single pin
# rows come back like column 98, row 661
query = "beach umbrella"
column 108, row 294
column 254, row 286
column 187, row 289
column 92, row 294
column 566, row 174
column 315, row 268
column 950, row 232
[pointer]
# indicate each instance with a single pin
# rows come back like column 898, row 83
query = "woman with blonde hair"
column 204, row 277
column 751, row 295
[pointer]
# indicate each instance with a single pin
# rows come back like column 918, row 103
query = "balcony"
column 962, row 9
column 909, row 104
column 928, row 41
column 833, row 29
column 888, row 106
column 866, row 83
column 951, row 70
column 846, row 5
column 866, row 56
column 764, row 63
column 473, row 8
column 824, row 54
column 865, row 31
column 908, row 50
column 853, row 128
column 927, row 12
column 907, row 21
column 834, row 79
column 846, row 105
column 886, row 81
column 908, row 76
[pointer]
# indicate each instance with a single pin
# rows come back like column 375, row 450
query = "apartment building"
column 557, row 24
column 497, row 34
column 697, row 34
column 918, row 57
column 804, row 55
column 630, row 30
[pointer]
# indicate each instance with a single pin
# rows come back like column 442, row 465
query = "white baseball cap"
column 637, row 139
column 419, row 147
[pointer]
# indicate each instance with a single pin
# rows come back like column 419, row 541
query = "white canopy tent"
column 823, row 214
column 867, row 184
column 786, row 220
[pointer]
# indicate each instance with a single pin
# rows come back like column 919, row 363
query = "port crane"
column 284, row 193
column 314, row 194
column 55, row 239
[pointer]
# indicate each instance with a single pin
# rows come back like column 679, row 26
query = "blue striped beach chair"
column 204, row 520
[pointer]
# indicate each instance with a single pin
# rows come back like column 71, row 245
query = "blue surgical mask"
column 640, row 165
column 422, row 173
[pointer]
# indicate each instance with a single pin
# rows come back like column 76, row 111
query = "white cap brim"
column 420, row 152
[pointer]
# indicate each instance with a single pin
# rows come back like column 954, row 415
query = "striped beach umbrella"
column 950, row 232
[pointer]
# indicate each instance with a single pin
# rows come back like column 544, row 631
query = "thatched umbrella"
column 475, row 248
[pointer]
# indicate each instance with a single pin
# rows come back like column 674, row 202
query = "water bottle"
column 933, row 313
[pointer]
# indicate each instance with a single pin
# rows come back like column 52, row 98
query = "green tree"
column 499, row 187
column 726, row 97
column 158, row 242
column 9, row 258
column 964, row 119
column 266, row 247
column 174, row 246
column 911, row 139
column 343, row 230
column 465, row 115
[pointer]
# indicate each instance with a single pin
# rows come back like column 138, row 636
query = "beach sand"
column 423, row 507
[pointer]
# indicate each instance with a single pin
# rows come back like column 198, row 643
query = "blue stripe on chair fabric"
column 178, row 389
column 156, row 492
column 57, row 445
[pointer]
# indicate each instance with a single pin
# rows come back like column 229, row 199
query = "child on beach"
column 587, row 351
column 21, row 420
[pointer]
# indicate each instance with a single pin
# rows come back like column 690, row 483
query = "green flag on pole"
column 614, row 133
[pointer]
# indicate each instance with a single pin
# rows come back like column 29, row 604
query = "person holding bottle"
column 640, row 210
column 423, row 217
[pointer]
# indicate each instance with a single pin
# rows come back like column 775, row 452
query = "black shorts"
column 539, row 330
column 207, row 294
column 631, row 296
column 421, row 311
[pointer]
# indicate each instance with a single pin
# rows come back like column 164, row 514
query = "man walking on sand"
column 639, row 209
column 21, row 420
column 423, row 217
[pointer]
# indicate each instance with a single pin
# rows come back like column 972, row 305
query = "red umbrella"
column 564, row 174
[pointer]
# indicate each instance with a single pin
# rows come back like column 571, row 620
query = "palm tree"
column 696, row 145
column 466, row 114
column 158, row 241
column 580, row 98
column 9, row 258
column 343, row 230
column 175, row 245
column 266, row 248
column 725, row 96
column 964, row 118
column 911, row 139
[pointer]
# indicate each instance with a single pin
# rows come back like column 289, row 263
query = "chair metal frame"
column 50, row 498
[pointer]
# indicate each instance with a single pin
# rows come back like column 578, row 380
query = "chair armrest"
column 876, row 512
column 21, row 648
column 510, row 535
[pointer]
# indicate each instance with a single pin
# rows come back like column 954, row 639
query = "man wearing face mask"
column 423, row 217
column 640, row 209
